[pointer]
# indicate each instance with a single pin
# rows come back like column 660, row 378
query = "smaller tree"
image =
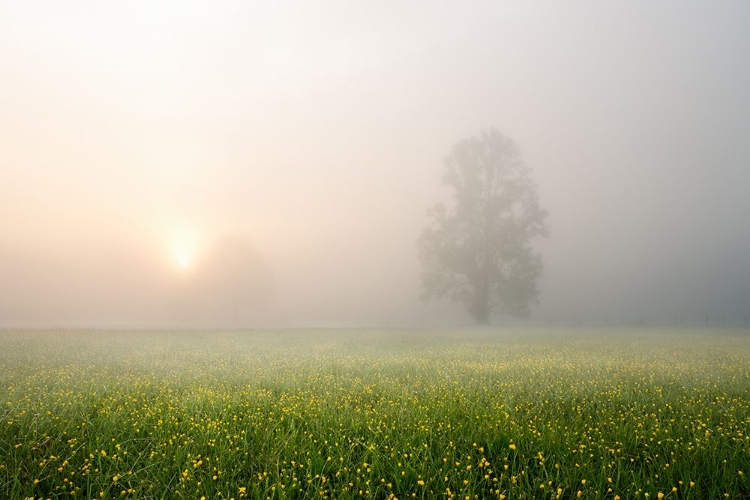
column 478, row 251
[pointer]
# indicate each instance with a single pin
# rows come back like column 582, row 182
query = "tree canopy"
column 477, row 250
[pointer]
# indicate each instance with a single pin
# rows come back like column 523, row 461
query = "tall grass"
column 376, row 414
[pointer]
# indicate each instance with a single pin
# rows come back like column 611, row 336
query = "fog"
column 238, row 164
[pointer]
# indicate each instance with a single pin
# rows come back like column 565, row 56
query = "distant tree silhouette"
column 478, row 250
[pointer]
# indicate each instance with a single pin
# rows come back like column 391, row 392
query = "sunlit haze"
column 239, row 164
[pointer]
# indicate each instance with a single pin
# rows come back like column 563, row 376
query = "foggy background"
column 271, row 164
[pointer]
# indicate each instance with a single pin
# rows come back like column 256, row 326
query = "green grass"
column 376, row 414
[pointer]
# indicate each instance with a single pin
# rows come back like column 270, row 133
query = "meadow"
column 506, row 413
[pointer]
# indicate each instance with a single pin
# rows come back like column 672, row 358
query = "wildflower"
column 512, row 446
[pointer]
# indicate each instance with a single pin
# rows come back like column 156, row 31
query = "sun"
column 183, row 261
column 183, row 255
column 183, row 249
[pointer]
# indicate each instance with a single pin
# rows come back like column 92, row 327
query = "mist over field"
column 235, row 164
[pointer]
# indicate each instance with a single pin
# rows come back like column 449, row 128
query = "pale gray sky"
column 237, row 163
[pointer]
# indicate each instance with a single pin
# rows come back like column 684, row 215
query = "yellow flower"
column 420, row 482
column 512, row 446
column 660, row 495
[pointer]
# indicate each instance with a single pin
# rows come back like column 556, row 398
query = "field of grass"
column 377, row 414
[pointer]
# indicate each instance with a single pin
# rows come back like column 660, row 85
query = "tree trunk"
column 481, row 306
column 482, row 281
column 482, row 317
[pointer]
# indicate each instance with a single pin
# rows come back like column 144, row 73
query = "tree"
column 478, row 251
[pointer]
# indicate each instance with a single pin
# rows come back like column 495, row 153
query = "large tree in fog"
column 477, row 251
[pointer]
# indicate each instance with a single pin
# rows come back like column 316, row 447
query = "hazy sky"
column 248, row 163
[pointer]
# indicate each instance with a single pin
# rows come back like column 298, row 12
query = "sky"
column 239, row 164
